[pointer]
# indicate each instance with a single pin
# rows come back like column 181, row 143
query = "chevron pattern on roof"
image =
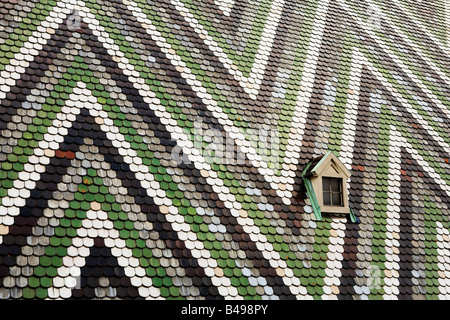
column 154, row 149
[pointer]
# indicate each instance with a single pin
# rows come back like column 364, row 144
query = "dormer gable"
column 327, row 164
column 325, row 179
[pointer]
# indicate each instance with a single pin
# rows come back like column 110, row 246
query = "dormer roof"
column 319, row 165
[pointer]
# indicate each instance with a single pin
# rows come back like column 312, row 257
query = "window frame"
column 340, row 191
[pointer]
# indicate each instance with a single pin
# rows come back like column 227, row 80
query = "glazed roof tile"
column 155, row 149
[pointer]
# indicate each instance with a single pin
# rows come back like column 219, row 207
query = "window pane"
column 336, row 199
column 326, row 198
column 332, row 191
column 326, row 184
column 335, row 184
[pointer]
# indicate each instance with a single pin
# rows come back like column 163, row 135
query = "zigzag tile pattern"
column 107, row 192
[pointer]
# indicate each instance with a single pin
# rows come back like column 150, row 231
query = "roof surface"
column 154, row 149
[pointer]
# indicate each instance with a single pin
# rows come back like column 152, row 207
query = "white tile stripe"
column 266, row 43
column 250, row 84
column 392, row 218
column 84, row 99
column 334, row 256
column 149, row 97
column 152, row 187
column 424, row 164
column 26, row 181
column 416, row 48
column 60, row 13
column 396, row 140
column 223, row 192
column 225, row 5
column 234, row 132
column 230, row 202
column 293, row 146
column 422, row 86
column 26, row 54
column 96, row 225
column 335, row 248
column 351, row 111
column 398, row 31
column 418, row 24
column 11, row 211
column 404, row 102
column 407, row 70
column 263, row 245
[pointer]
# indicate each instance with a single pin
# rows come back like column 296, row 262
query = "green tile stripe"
column 290, row 97
column 382, row 68
column 176, row 113
column 259, row 217
column 77, row 71
column 198, row 226
column 439, row 30
column 207, row 82
column 238, row 192
column 217, row 95
column 24, row 29
column 432, row 161
column 35, row 132
column 417, row 71
column 340, row 104
column 406, row 95
column 69, row 81
column 14, row 164
column 312, row 278
column 293, row 88
column 421, row 45
column 111, row 30
column 316, row 275
column 77, row 212
column 166, row 183
column 92, row 189
column 432, row 214
column 381, row 194
column 362, row 13
column 182, row 52
column 380, row 207
column 243, row 61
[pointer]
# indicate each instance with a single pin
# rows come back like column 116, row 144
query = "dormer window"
column 325, row 179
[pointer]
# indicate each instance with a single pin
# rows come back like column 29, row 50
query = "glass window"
column 332, row 191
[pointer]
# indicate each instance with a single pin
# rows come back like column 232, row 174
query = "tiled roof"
column 155, row 149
